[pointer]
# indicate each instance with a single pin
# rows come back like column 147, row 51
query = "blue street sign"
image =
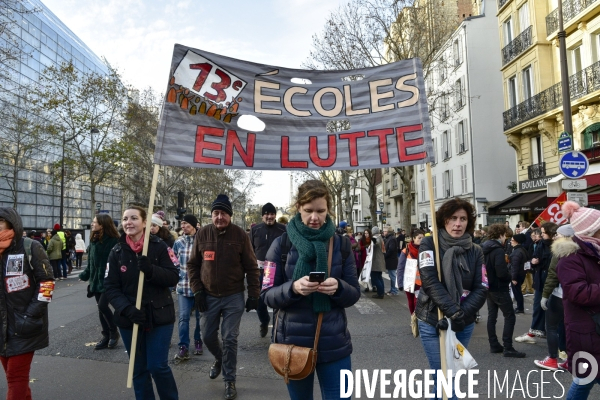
column 573, row 164
column 377, row 211
column 565, row 142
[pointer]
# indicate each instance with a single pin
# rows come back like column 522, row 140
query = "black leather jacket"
column 433, row 293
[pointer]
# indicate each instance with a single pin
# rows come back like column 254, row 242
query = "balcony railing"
column 501, row 3
column 581, row 83
column 517, row 46
column 537, row 171
column 570, row 10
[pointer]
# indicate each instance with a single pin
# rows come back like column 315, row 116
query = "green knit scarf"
column 312, row 248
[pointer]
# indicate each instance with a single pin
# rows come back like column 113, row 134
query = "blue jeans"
column 263, row 311
column 431, row 345
column 230, row 308
column 538, row 320
column 65, row 267
column 392, row 274
column 581, row 392
column 329, row 381
column 185, row 309
column 377, row 282
column 152, row 363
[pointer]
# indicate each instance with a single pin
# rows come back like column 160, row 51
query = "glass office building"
column 45, row 41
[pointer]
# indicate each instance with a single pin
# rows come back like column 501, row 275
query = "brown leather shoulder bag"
column 296, row 362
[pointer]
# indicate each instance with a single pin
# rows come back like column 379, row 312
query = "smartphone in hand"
column 316, row 276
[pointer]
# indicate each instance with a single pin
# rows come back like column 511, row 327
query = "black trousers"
column 516, row 289
column 105, row 314
column 500, row 301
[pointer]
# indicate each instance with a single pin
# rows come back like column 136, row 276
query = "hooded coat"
column 579, row 275
column 495, row 262
column 23, row 318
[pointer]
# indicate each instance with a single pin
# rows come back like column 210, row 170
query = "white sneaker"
column 563, row 355
column 525, row 338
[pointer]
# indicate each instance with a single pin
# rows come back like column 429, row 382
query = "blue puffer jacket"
column 297, row 323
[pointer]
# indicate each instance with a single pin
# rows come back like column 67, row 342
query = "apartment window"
column 512, row 92
column 447, row 184
column 356, row 199
column 463, row 179
column 445, row 107
column 394, row 181
column 459, row 93
column 434, row 145
column 537, row 150
column 524, row 17
column 575, row 60
column 527, row 83
column 507, row 31
column 423, row 190
column 457, row 51
column 461, row 137
column 434, row 185
column 446, row 149
column 442, row 69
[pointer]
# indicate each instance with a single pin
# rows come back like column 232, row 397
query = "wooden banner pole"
column 439, row 269
column 140, row 290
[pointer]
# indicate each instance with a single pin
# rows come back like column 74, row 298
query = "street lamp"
column 381, row 204
column 564, row 72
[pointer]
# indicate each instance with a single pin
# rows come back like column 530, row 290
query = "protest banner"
column 553, row 212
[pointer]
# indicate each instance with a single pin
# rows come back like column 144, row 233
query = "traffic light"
column 180, row 207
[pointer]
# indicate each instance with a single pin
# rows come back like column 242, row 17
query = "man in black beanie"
column 222, row 255
column 261, row 236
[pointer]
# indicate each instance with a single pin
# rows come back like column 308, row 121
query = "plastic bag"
column 414, row 325
column 457, row 355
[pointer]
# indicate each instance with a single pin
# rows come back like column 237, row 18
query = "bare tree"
column 11, row 51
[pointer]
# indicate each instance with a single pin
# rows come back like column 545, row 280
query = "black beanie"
column 222, row 203
column 520, row 238
column 268, row 209
column 190, row 219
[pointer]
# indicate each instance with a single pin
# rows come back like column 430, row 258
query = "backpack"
column 286, row 244
column 27, row 244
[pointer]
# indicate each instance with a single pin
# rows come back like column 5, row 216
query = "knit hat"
column 343, row 224
column 161, row 215
column 566, row 230
column 222, row 203
column 520, row 238
column 190, row 219
column 375, row 230
column 268, row 209
column 57, row 227
column 584, row 221
column 156, row 220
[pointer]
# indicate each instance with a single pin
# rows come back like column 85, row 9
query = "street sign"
column 98, row 206
column 574, row 184
column 565, row 142
column 573, row 164
column 581, row 198
column 377, row 212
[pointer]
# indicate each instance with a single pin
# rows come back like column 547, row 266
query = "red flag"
column 553, row 212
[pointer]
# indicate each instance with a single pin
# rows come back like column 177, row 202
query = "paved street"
column 71, row 369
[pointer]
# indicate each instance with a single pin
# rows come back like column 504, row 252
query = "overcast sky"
column 137, row 37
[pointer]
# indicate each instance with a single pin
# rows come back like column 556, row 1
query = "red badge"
column 123, row 268
column 209, row 255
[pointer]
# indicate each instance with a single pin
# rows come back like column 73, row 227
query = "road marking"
column 366, row 306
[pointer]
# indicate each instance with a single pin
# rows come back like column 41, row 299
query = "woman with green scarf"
column 461, row 291
column 300, row 301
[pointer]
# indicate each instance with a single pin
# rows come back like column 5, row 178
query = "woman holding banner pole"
column 156, row 315
column 461, row 291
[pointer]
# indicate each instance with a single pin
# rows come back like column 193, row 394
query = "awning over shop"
column 521, row 203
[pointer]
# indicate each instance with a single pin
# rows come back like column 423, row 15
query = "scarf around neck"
column 312, row 250
column 595, row 243
column 6, row 238
column 136, row 246
column 413, row 250
column 454, row 261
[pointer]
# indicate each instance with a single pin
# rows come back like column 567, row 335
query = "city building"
column 472, row 160
column 43, row 41
column 392, row 192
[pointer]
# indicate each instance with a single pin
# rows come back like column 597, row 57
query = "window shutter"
column 457, row 138
column 449, row 145
column 466, row 135
column 450, row 183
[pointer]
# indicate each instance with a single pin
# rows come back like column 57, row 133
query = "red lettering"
column 285, row 156
column 204, row 70
column 383, row 150
column 219, row 87
column 202, row 144
column 233, row 141
column 352, row 148
column 404, row 144
column 314, row 151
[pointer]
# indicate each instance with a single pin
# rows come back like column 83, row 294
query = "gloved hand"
column 145, row 266
column 136, row 316
column 251, row 304
column 457, row 322
column 544, row 303
column 441, row 325
column 200, row 301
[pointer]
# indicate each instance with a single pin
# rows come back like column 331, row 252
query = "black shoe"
column 511, row 352
column 114, row 339
column 517, row 311
column 215, row 370
column 264, row 329
column 230, row 392
column 497, row 348
column 102, row 344
column 367, row 290
column 376, row 296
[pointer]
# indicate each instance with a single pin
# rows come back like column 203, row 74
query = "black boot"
column 215, row 370
column 103, row 343
column 230, row 392
column 114, row 339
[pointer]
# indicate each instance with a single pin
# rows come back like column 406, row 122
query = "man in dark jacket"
column 391, row 258
column 498, row 296
column 222, row 255
column 262, row 235
column 518, row 258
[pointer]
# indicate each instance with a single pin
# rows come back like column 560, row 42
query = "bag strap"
column 320, row 321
